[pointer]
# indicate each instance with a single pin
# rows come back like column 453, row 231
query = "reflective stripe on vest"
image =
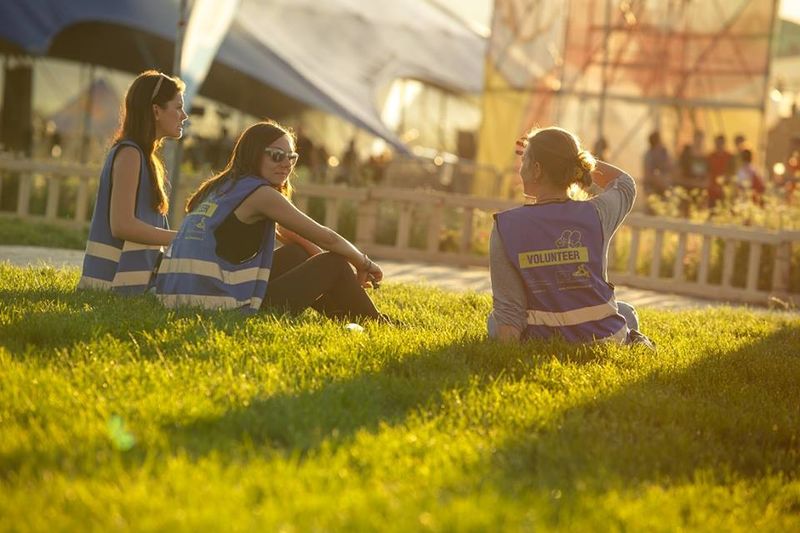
column 192, row 274
column 571, row 318
column 114, row 264
column 557, row 251
column 213, row 270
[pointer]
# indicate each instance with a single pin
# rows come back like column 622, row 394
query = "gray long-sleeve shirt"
column 508, row 290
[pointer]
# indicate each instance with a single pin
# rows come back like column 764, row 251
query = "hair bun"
column 586, row 163
column 586, row 160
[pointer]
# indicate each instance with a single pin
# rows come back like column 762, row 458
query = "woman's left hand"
column 370, row 274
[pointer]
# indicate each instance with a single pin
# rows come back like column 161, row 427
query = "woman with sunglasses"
column 552, row 281
column 223, row 256
column 129, row 226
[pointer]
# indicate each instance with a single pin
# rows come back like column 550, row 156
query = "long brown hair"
column 245, row 159
column 559, row 153
column 137, row 124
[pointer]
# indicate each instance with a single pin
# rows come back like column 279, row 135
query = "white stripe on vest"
column 93, row 283
column 103, row 251
column 137, row 247
column 574, row 317
column 212, row 270
column 136, row 277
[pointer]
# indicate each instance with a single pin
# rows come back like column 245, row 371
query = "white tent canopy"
column 334, row 55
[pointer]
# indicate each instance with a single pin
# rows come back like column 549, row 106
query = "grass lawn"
column 32, row 233
column 117, row 414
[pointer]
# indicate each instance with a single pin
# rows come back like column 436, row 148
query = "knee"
column 629, row 313
column 295, row 252
column 334, row 262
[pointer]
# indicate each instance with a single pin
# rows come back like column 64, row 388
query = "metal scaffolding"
column 617, row 69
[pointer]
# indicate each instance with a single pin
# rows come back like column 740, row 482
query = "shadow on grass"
column 336, row 411
column 55, row 319
column 730, row 415
column 295, row 424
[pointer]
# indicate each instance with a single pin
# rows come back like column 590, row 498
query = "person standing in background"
column 720, row 171
column 749, row 181
column 693, row 170
column 657, row 167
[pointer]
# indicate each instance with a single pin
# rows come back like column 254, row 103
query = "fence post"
column 780, row 274
column 753, row 264
column 705, row 259
column 53, row 189
column 332, row 213
column 24, row 195
column 367, row 221
column 658, row 245
column 404, row 225
column 728, row 259
column 466, row 230
column 82, row 201
column 634, row 251
column 435, row 227
column 677, row 266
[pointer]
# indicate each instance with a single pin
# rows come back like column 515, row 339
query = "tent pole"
column 87, row 116
column 762, row 134
column 607, row 37
column 177, row 146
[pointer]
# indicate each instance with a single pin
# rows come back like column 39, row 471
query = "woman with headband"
column 548, row 257
column 129, row 226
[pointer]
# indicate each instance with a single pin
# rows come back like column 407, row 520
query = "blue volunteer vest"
column 557, row 249
column 114, row 264
column 192, row 274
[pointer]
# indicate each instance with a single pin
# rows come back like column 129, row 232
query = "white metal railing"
column 53, row 173
column 748, row 264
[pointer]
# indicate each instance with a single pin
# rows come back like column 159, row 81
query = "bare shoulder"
column 126, row 161
column 264, row 201
column 266, row 195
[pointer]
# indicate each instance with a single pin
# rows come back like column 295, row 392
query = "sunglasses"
column 277, row 155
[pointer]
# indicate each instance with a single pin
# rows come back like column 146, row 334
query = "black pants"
column 324, row 282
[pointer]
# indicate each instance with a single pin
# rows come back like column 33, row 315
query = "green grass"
column 117, row 414
column 31, row 233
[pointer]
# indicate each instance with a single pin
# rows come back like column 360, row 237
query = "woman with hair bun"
column 548, row 257
column 129, row 226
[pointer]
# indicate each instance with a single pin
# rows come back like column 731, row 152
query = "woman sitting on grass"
column 223, row 258
column 129, row 225
column 548, row 257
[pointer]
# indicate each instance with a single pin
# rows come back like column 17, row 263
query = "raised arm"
column 605, row 173
column 124, row 190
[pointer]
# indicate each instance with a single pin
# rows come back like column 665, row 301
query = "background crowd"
column 716, row 176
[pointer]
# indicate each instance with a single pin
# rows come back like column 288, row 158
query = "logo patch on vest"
column 568, row 250
column 207, row 209
column 556, row 256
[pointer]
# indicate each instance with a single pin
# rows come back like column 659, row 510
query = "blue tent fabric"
column 332, row 55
